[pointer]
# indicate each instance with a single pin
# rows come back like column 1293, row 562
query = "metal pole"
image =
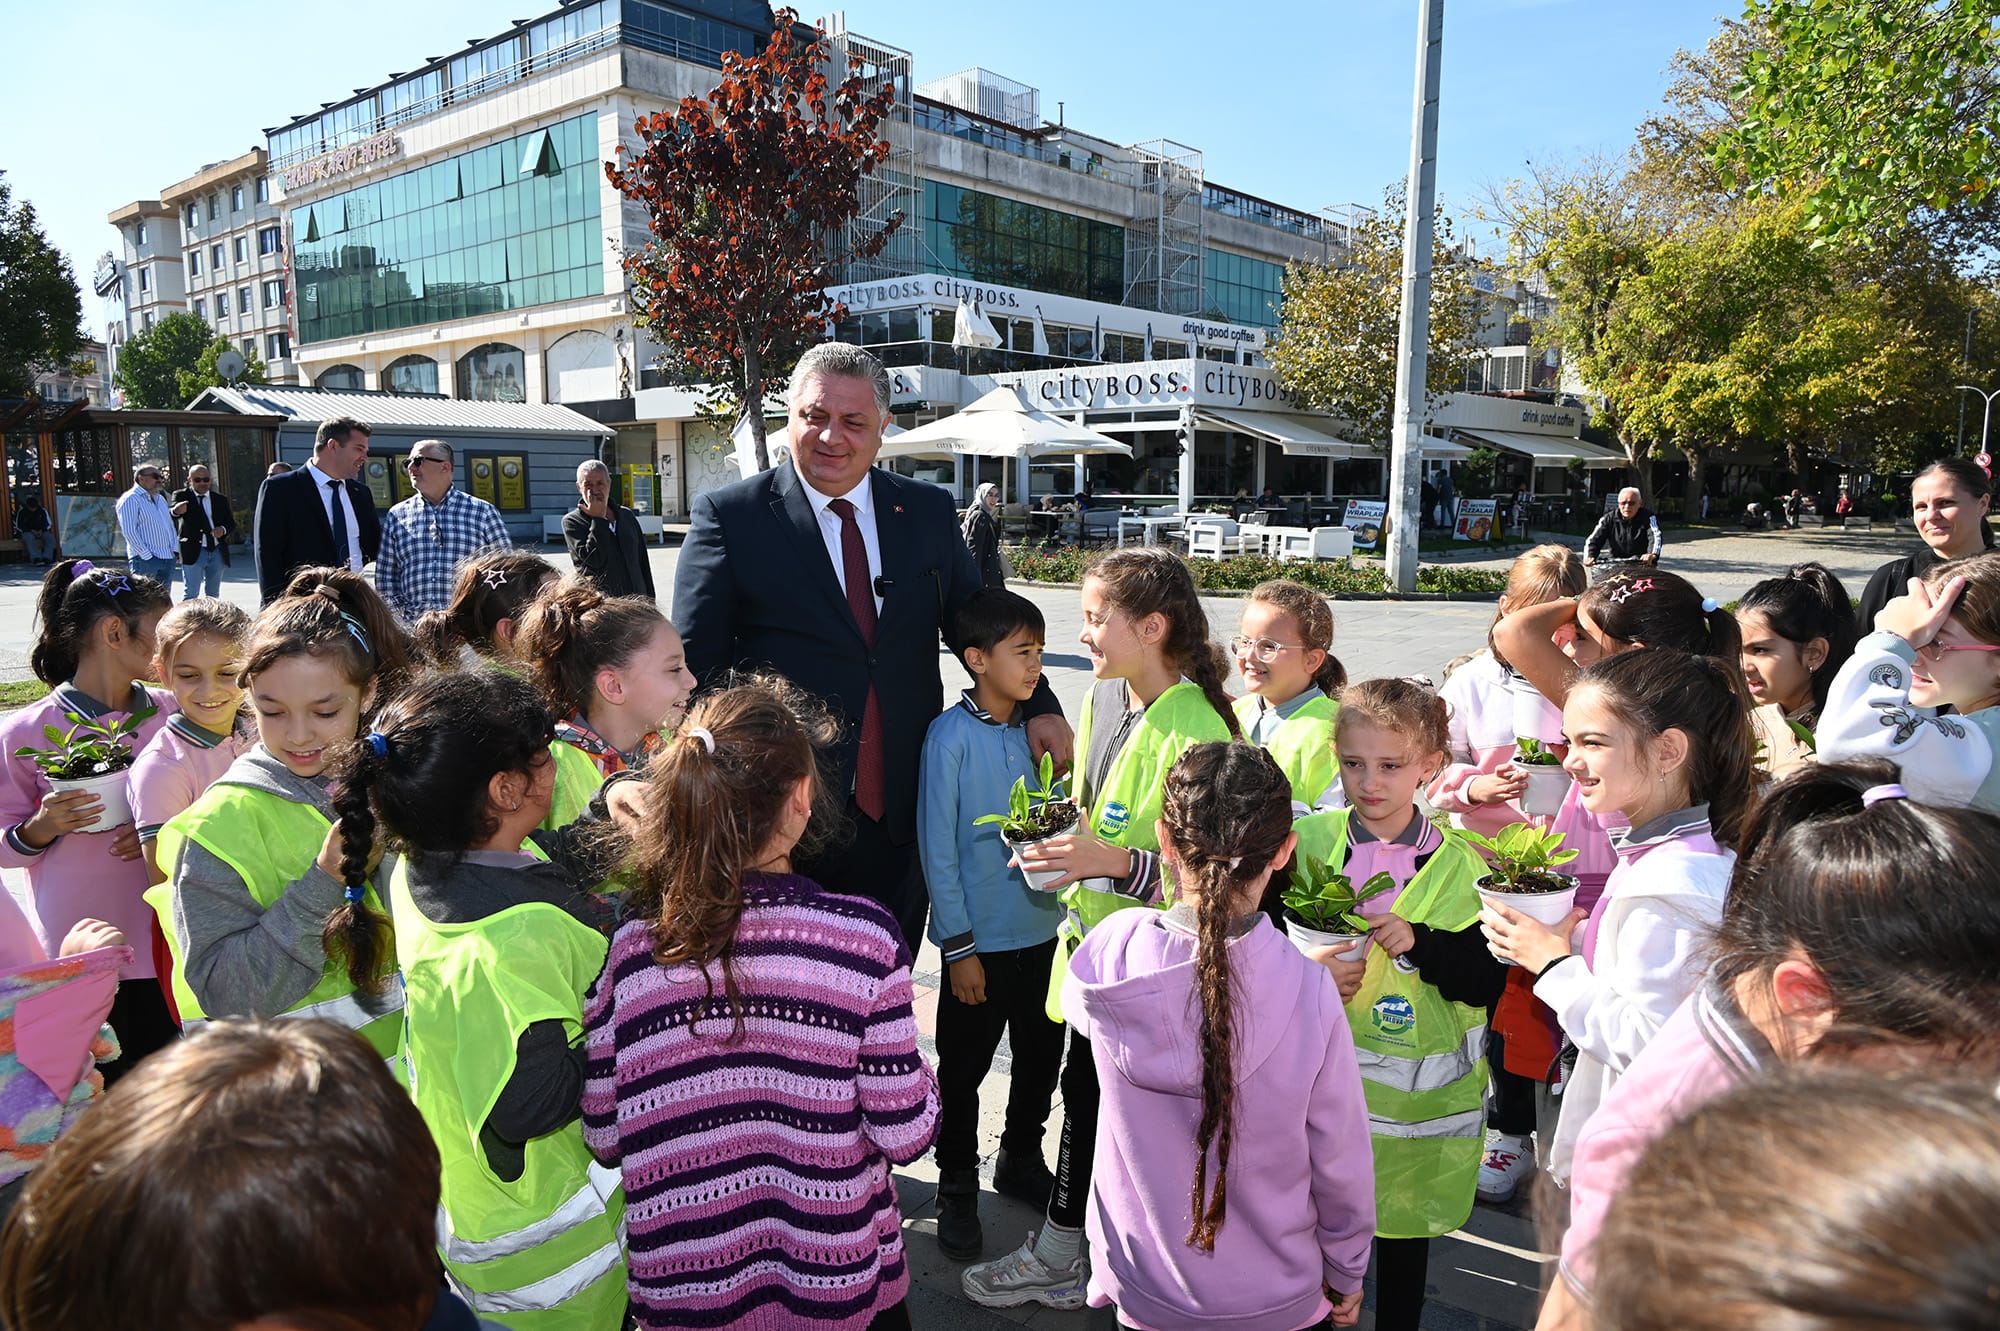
column 1413, row 338
column 1960, row 449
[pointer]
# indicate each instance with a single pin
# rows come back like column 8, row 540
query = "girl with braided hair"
column 1262, row 1109
column 256, row 864
column 1158, row 693
column 497, row 937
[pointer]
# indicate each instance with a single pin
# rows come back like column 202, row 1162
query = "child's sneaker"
column 1509, row 1161
column 1021, row 1277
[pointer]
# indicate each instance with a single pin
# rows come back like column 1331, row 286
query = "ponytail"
column 1228, row 809
column 1313, row 618
column 1148, row 580
column 568, row 634
column 362, row 615
column 355, row 934
column 75, row 595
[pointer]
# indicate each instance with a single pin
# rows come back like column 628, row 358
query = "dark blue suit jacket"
column 755, row 587
column 291, row 530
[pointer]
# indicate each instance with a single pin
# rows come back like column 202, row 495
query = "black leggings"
column 1079, row 1136
column 140, row 1020
column 1512, row 1108
column 1402, row 1274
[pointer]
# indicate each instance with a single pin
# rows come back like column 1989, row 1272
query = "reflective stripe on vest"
column 347, row 1009
column 551, row 1291
column 1430, row 1072
column 585, row 1204
column 1471, row 1123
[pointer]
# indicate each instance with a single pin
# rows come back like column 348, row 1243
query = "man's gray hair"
column 448, row 454
column 589, row 465
column 1632, row 490
column 845, row 361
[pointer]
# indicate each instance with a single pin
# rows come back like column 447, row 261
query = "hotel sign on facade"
column 341, row 162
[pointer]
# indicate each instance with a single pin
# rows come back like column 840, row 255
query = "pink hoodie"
column 1301, row 1199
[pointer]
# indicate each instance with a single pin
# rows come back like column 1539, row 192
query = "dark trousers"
column 1079, row 1136
column 895, row 1317
column 1512, row 1108
column 873, row 865
column 1017, row 983
column 1402, row 1273
column 140, row 1019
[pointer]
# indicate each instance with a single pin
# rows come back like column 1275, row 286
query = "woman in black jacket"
column 982, row 535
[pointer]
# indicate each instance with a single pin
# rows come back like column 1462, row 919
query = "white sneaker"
column 1021, row 1277
column 1508, row 1163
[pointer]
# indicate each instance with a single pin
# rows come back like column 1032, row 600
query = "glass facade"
column 1240, row 290
column 509, row 225
column 990, row 239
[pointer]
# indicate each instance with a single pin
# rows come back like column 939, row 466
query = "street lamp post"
column 1986, row 419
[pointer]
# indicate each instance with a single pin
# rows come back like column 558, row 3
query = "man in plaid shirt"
column 427, row 536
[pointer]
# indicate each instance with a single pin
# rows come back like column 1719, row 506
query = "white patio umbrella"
column 1001, row 425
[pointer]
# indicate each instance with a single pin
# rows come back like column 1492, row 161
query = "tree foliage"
column 1339, row 324
column 746, row 193
column 165, row 367
column 1880, row 113
column 41, row 310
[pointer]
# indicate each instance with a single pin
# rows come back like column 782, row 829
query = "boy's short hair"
column 255, row 1169
column 992, row 615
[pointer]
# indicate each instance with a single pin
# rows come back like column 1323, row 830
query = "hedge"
column 1065, row 563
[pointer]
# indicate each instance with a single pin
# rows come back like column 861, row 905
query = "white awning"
column 1299, row 436
column 1548, row 450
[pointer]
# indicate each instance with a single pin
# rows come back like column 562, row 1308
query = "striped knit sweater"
column 757, row 1188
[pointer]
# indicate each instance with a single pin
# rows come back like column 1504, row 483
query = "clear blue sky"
column 1306, row 103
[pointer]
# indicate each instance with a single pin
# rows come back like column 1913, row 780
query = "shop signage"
column 1170, row 383
column 1475, row 519
column 1364, row 517
column 342, row 161
column 940, row 290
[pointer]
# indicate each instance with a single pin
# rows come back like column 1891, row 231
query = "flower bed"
column 1065, row 563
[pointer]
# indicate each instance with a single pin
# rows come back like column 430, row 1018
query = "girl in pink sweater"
column 96, row 642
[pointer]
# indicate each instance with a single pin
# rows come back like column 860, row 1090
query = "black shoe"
column 1024, row 1177
column 959, row 1235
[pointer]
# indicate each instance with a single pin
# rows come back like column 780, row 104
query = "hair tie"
column 356, row 893
column 1235, row 862
column 357, row 632
column 1876, row 794
column 379, row 743
column 703, row 734
column 1710, row 605
column 79, row 568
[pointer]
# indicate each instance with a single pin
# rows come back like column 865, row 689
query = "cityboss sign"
column 342, row 162
column 1166, row 383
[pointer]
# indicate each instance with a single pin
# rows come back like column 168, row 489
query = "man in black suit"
column 320, row 514
column 842, row 577
column 204, row 523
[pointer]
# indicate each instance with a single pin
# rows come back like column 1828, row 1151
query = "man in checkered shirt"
column 427, row 536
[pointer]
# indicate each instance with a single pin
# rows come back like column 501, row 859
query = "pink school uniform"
column 1482, row 742
column 179, row 763
column 75, row 877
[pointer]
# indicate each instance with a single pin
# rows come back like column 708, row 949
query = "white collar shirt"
column 323, row 483
column 862, row 497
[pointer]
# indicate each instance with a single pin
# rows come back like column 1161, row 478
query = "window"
column 142, row 233
column 277, row 346
column 149, row 318
column 242, row 244
column 990, row 239
column 236, row 199
column 1241, row 289
column 494, row 372
column 270, row 240
column 243, row 300
column 263, row 189
column 274, row 295
column 201, row 309
column 194, row 263
column 222, row 307
column 214, row 206
column 215, row 258
column 146, row 283
column 341, row 379
column 411, row 374
column 193, row 215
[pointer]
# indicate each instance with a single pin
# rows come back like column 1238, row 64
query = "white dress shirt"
column 207, row 522
column 326, row 501
column 862, row 497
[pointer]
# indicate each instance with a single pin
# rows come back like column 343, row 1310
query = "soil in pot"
column 1053, row 819
column 1545, row 897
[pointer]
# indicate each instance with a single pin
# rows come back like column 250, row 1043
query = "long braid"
column 356, row 933
column 1228, row 809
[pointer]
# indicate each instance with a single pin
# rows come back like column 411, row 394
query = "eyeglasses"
column 413, row 463
column 1261, row 649
column 197, row 480
column 149, row 475
column 1934, row 651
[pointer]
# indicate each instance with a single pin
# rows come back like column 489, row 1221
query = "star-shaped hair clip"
column 1619, row 595
column 494, row 577
column 116, row 584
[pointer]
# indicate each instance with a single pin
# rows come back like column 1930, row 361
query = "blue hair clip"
column 356, row 893
column 379, row 743
column 359, row 634
column 1710, row 605
column 115, row 584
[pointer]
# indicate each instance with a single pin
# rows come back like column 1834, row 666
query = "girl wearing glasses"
column 1937, row 646
column 1284, row 651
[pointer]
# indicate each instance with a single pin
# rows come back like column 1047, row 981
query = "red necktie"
column 868, row 781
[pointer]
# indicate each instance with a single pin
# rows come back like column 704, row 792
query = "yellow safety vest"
column 1302, row 746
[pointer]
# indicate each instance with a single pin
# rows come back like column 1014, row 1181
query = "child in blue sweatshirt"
column 998, row 937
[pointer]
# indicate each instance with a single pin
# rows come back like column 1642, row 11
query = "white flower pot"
column 1306, row 939
column 1550, row 908
column 1038, row 878
column 110, row 788
column 1547, row 788
column 1535, row 717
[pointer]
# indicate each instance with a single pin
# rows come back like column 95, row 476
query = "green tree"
column 748, row 192
column 166, row 366
column 1880, row 113
column 41, row 310
column 206, row 375
column 1339, row 321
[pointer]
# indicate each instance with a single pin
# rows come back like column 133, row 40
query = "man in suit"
column 319, row 514
column 842, row 578
column 204, row 522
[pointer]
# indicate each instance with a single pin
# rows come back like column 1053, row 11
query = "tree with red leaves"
column 747, row 191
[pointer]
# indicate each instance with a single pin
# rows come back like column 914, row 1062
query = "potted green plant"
column 1548, row 783
column 1320, row 909
column 92, row 756
column 1036, row 814
column 1522, row 862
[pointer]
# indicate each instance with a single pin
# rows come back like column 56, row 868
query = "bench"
column 1854, row 521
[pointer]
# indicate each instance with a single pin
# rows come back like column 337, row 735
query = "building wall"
column 246, row 297
column 155, row 284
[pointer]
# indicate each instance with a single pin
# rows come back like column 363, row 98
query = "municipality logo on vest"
column 1393, row 1014
column 1113, row 820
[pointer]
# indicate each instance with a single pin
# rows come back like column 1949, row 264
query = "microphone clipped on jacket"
column 883, row 586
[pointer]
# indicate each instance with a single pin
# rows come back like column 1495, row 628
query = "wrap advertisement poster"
column 1475, row 520
column 1364, row 518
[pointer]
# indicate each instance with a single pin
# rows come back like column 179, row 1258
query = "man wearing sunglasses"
column 205, row 525
column 427, row 536
column 147, row 523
